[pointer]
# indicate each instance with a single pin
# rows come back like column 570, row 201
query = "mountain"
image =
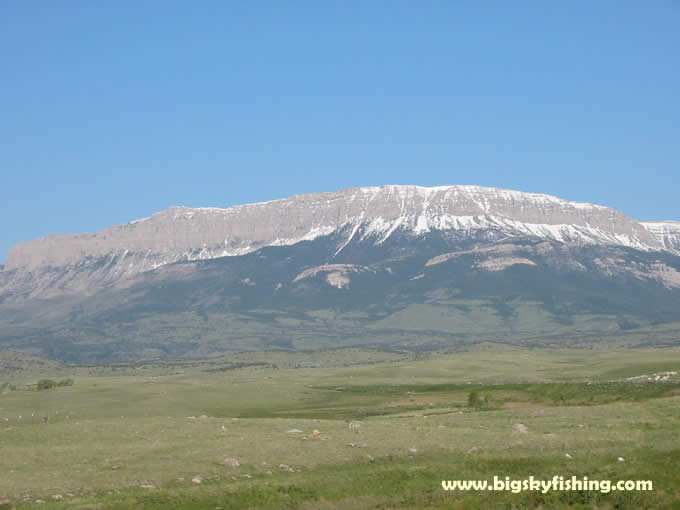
column 392, row 266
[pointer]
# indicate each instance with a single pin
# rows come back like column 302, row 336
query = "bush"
column 474, row 400
column 46, row 384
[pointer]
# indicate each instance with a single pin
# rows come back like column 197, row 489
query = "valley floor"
column 240, row 432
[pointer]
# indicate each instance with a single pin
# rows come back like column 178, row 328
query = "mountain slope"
column 84, row 263
column 393, row 267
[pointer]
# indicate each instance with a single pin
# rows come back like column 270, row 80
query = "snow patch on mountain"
column 666, row 232
column 567, row 233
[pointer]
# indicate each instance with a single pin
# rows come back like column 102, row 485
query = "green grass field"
column 134, row 436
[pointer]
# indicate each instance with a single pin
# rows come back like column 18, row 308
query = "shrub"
column 474, row 400
column 46, row 384
column 65, row 382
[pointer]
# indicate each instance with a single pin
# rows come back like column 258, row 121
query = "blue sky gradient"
column 110, row 111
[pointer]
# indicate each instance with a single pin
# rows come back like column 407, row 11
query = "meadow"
column 349, row 428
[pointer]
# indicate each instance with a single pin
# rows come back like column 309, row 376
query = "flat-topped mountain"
column 377, row 252
column 181, row 233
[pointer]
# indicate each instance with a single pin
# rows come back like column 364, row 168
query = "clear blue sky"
column 110, row 111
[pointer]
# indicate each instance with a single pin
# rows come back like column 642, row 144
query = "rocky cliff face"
column 181, row 233
column 666, row 232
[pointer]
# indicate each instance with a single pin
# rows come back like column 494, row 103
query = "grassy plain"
column 134, row 436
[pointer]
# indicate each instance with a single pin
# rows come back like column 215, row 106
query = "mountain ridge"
column 182, row 233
